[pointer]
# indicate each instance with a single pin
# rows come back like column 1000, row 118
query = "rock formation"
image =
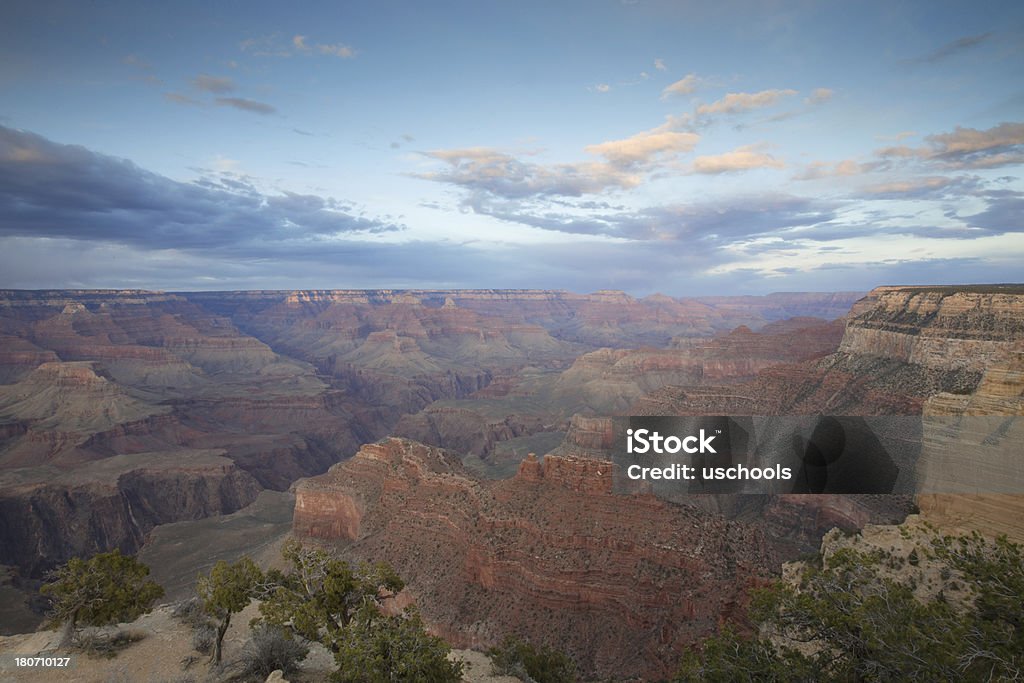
column 620, row 583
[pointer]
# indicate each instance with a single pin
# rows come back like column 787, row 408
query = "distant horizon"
column 728, row 148
column 429, row 290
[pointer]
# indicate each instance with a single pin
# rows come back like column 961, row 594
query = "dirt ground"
column 164, row 654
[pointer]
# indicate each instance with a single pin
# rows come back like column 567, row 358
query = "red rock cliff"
column 621, row 583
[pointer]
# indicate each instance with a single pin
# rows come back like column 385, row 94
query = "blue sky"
column 686, row 148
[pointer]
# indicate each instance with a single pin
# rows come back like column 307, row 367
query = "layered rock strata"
column 622, row 584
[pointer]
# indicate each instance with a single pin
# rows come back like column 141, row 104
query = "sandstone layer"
column 551, row 554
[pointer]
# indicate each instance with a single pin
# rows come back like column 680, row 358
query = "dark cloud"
column 70, row 217
column 582, row 267
column 66, row 191
column 711, row 223
column 1003, row 214
column 246, row 105
column 926, row 187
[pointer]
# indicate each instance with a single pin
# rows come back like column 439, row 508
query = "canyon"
column 465, row 437
column 274, row 386
column 551, row 552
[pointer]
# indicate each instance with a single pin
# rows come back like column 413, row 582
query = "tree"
column 728, row 657
column 381, row 649
column 228, row 589
column 108, row 588
column 858, row 621
column 516, row 657
column 319, row 595
column 324, row 599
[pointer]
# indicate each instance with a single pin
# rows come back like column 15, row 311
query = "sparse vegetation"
column 515, row 657
column 272, row 648
column 324, row 599
column 108, row 588
column 105, row 644
column 380, row 649
column 856, row 622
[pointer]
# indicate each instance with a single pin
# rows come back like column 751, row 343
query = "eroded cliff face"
column 89, row 378
column 901, row 345
column 937, row 351
column 620, row 583
column 1000, row 393
column 948, row 329
column 112, row 503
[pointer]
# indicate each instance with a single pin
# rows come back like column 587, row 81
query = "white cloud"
column 734, row 103
column 683, row 86
column 659, row 64
column 741, row 159
column 819, row 96
column 644, row 147
column 503, row 175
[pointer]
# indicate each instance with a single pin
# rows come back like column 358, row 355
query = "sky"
column 687, row 148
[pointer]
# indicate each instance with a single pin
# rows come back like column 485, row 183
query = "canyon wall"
column 551, row 554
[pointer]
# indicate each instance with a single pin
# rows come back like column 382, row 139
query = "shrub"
column 270, row 649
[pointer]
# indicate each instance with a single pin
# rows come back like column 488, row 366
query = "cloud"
column 602, row 87
column 501, row 174
column 920, row 188
column 66, row 191
column 703, row 226
column 965, row 148
column 817, row 170
column 644, row 147
column 213, row 84
column 337, row 49
column 684, row 86
column 819, row 96
column 275, row 46
column 741, row 159
column 659, row 64
column 178, row 98
column 950, row 49
column 966, row 143
column 71, row 217
column 246, row 105
column 902, row 135
column 734, row 103
column 1003, row 214
column 143, row 69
